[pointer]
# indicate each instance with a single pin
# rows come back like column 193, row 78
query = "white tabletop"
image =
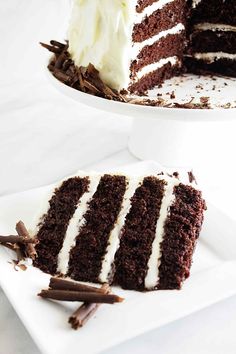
column 45, row 136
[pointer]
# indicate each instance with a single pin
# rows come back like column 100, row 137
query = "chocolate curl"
column 62, row 284
column 14, row 239
column 68, row 295
column 51, row 48
column 86, row 311
column 14, row 243
column 22, row 231
column 58, row 44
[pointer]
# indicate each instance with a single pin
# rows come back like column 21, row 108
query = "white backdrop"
column 44, row 136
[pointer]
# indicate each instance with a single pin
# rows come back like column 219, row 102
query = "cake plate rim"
column 216, row 114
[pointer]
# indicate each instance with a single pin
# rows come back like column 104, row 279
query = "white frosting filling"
column 195, row 3
column 114, row 238
column 152, row 67
column 148, row 11
column 214, row 27
column 211, row 57
column 154, row 261
column 75, row 224
column 100, row 33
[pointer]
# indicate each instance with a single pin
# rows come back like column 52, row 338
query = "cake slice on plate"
column 136, row 232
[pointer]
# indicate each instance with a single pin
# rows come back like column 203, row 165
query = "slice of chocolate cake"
column 137, row 232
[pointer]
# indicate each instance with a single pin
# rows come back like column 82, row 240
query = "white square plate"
column 213, row 278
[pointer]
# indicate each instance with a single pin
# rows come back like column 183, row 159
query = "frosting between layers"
column 114, row 238
column 76, row 222
column 214, row 27
column 148, row 11
column 154, row 66
column 152, row 277
column 195, row 3
column 211, row 57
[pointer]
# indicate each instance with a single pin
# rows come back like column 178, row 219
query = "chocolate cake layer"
column 215, row 11
column 182, row 229
column 169, row 46
column 131, row 260
column 53, row 226
column 161, row 20
column 225, row 67
column 156, row 78
column 91, row 243
column 144, row 3
column 213, row 41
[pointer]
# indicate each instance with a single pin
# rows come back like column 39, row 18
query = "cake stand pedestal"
column 184, row 143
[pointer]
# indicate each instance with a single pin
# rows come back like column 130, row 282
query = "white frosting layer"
column 75, row 224
column 195, row 3
column 211, row 57
column 214, row 27
column 152, row 67
column 114, row 238
column 100, row 33
column 154, row 262
column 148, row 11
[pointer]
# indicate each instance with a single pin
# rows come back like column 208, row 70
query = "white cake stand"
column 177, row 137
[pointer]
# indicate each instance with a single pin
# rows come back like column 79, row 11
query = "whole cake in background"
column 212, row 42
column 137, row 44
column 136, row 232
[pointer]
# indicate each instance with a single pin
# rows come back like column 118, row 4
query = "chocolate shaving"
column 86, row 311
column 29, row 247
column 68, row 295
column 83, row 79
column 15, row 239
column 20, row 266
column 87, row 80
column 61, row 284
column 191, row 177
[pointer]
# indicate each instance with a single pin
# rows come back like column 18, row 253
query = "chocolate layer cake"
column 212, row 42
column 136, row 45
column 137, row 232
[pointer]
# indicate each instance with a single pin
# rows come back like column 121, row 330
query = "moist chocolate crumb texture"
column 137, row 45
column 136, row 232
